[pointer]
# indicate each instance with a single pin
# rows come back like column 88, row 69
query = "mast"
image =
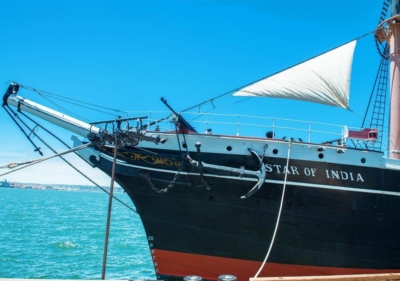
column 389, row 31
column 394, row 44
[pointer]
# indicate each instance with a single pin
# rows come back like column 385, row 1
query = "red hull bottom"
column 209, row 267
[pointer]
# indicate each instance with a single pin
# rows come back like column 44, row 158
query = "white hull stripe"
column 323, row 186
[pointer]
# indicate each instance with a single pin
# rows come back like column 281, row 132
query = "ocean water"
column 60, row 235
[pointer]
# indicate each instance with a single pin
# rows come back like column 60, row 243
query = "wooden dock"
column 29, row 279
column 358, row 277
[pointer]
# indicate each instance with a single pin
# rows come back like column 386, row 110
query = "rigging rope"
column 385, row 8
column 63, row 98
column 23, row 131
column 238, row 88
column 76, row 102
column 279, row 213
column 62, row 108
column 13, row 165
column 30, row 163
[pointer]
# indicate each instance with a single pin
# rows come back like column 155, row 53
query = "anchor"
column 260, row 174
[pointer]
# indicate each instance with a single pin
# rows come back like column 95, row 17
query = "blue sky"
column 128, row 54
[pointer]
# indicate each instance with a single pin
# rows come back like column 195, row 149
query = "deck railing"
column 258, row 127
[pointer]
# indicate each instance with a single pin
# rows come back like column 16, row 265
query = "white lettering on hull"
column 313, row 172
column 342, row 175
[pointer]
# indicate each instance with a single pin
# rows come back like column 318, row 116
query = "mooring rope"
column 279, row 214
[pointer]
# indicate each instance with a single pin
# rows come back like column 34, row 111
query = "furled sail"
column 323, row 79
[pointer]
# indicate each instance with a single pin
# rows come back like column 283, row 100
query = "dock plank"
column 29, row 279
column 357, row 277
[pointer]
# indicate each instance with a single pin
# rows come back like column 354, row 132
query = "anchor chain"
column 171, row 184
column 260, row 173
column 147, row 151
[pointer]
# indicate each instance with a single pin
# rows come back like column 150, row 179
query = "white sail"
column 323, row 79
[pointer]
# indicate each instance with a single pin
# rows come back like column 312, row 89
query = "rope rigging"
column 117, row 112
column 379, row 93
column 30, row 163
column 48, row 95
column 56, row 154
column 212, row 100
column 379, row 46
column 91, row 106
column 22, row 130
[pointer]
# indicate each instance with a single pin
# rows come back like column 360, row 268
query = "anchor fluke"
column 260, row 174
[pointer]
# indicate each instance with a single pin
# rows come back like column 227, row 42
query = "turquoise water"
column 60, row 235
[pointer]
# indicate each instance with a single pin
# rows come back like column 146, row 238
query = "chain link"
column 171, row 184
column 145, row 150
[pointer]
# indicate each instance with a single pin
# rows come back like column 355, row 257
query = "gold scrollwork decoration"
column 151, row 159
column 155, row 160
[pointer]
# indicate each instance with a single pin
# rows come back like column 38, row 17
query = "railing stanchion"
column 273, row 127
column 238, row 126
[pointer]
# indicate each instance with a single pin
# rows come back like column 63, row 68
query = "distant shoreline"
column 62, row 187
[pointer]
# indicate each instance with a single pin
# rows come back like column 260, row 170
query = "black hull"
column 336, row 219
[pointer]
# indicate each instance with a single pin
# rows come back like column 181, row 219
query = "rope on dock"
column 279, row 214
